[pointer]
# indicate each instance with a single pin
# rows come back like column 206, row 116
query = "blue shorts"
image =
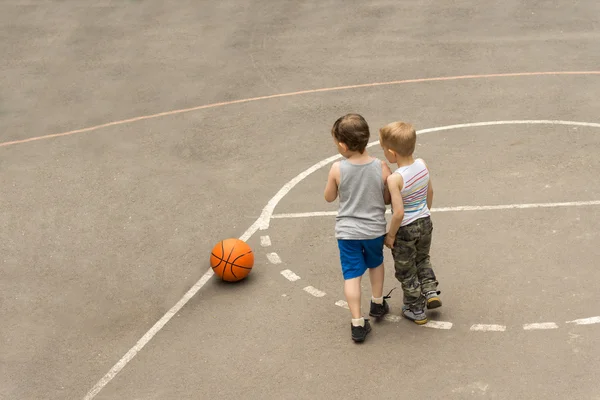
column 358, row 255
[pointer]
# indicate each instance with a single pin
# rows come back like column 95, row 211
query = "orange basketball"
column 232, row 259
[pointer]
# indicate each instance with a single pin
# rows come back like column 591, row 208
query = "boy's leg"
column 353, row 267
column 379, row 306
column 376, row 276
column 352, row 293
column 373, row 255
column 405, row 253
column 425, row 272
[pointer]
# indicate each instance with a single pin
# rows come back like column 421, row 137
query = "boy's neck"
column 404, row 161
column 356, row 157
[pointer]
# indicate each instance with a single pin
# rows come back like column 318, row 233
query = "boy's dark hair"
column 353, row 131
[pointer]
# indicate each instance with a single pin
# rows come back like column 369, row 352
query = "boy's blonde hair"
column 400, row 137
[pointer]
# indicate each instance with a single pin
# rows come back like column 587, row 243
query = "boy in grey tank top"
column 360, row 228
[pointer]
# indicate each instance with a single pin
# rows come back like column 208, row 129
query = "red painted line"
column 275, row 96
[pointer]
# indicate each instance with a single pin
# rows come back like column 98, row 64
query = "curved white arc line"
column 265, row 217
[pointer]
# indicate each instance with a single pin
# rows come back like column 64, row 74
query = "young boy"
column 410, row 230
column 360, row 181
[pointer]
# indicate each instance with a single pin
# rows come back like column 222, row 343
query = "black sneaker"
column 359, row 333
column 379, row 310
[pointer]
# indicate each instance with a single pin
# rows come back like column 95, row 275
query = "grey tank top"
column 362, row 208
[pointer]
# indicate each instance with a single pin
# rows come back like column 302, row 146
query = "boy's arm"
column 429, row 194
column 333, row 180
column 385, row 170
column 395, row 184
column 429, row 188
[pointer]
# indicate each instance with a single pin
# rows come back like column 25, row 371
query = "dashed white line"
column 540, row 326
column 289, row 275
column 438, row 324
column 274, row 258
column 342, row 303
column 265, row 241
column 430, row 324
column 392, row 318
column 314, row 291
column 585, row 321
column 488, row 328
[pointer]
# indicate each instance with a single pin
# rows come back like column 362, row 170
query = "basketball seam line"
column 226, row 262
column 232, row 263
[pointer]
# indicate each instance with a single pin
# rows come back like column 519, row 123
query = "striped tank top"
column 414, row 192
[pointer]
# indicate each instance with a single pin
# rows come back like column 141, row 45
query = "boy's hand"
column 389, row 241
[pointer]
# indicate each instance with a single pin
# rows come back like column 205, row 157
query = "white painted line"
column 488, row 328
column 438, row 324
column 430, row 324
column 274, row 258
column 314, row 291
column 456, row 209
column 307, row 214
column 540, row 325
column 392, row 318
column 342, row 303
column 265, row 241
column 518, row 206
column 148, row 336
column 517, row 122
column 289, row 275
column 585, row 321
column 262, row 223
column 265, row 217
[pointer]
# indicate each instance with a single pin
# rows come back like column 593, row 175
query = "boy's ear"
column 343, row 146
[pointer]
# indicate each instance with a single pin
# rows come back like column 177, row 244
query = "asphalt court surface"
column 104, row 231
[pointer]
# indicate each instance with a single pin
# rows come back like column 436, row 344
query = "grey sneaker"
column 418, row 317
column 433, row 299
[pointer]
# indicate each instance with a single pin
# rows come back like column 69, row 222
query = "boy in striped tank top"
column 410, row 230
column 360, row 182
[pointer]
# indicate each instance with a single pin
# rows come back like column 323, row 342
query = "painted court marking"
column 264, row 219
column 274, row 258
column 438, row 324
column 540, row 326
column 302, row 92
column 585, row 321
column 392, row 318
column 265, row 241
column 488, row 328
column 342, row 303
column 396, row 318
column 289, row 275
column 454, row 209
column 262, row 222
column 314, row 291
